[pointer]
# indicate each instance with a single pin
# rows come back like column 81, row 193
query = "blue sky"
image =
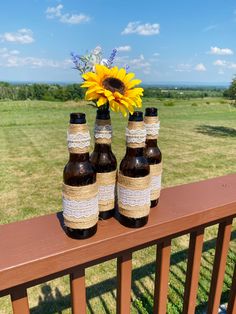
column 161, row 40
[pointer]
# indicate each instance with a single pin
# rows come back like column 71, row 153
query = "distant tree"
column 231, row 92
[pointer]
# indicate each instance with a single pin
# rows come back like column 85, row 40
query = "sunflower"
column 113, row 86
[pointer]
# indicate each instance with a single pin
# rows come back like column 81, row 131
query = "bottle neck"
column 102, row 147
column 135, row 152
column 151, row 142
column 79, row 157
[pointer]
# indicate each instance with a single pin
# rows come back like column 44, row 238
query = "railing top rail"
column 38, row 247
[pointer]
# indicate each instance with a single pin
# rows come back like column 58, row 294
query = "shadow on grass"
column 218, row 131
column 52, row 303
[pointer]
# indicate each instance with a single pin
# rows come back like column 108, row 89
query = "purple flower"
column 111, row 58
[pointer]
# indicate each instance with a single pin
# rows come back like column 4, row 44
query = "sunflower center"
column 114, row 85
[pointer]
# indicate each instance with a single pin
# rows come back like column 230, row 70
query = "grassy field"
column 198, row 141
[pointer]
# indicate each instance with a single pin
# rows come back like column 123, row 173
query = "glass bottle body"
column 103, row 160
column 134, row 165
column 79, row 172
column 154, row 156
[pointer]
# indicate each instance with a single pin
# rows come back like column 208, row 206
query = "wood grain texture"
column 124, row 276
column 162, row 276
column 193, row 269
column 38, row 247
column 78, row 291
column 19, row 301
column 222, row 245
column 231, row 309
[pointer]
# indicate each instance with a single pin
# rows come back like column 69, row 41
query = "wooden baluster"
column 231, row 309
column 222, row 245
column 78, row 291
column 124, row 276
column 193, row 268
column 162, row 275
column 19, row 301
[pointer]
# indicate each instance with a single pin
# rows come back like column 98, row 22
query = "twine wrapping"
column 135, row 134
column 106, row 190
column 155, row 172
column 80, row 206
column 103, row 131
column 78, row 138
column 133, row 202
column 152, row 125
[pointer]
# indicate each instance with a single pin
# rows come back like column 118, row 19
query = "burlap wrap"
column 149, row 122
column 103, row 136
column 135, row 140
column 106, row 181
column 155, row 170
column 81, row 193
column 133, row 185
column 81, row 147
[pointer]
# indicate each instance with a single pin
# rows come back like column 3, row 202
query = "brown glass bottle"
column 79, row 172
column 152, row 151
column 102, row 158
column 135, row 165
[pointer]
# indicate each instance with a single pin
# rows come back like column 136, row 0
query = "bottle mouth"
column 151, row 112
column 77, row 118
column 136, row 116
column 103, row 114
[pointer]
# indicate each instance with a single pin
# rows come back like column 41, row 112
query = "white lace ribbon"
column 78, row 140
column 106, row 192
column 133, row 198
column 135, row 136
column 155, row 182
column 152, row 128
column 80, row 209
column 103, row 131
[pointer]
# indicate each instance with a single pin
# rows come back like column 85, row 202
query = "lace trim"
column 135, row 135
column 106, row 192
column 80, row 209
column 133, row 197
column 78, row 140
column 103, row 131
column 152, row 128
column 156, row 182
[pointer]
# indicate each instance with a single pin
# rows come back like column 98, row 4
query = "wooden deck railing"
column 37, row 250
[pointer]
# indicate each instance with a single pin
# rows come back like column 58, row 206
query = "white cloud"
column 138, row 63
column 225, row 64
column 200, row 67
column 221, row 63
column 56, row 13
column 184, row 67
column 221, row 51
column 156, row 54
column 22, row 36
column 11, row 58
column 141, row 29
column 209, row 28
column 123, row 48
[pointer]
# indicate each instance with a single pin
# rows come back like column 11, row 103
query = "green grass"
column 197, row 142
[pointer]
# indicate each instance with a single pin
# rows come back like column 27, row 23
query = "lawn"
column 198, row 141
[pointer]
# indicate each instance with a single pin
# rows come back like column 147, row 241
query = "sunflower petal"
column 101, row 101
column 133, row 83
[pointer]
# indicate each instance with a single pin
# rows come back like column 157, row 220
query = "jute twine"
column 80, row 193
column 151, row 120
column 134, row 184
column 135, row 125
column 78, row 128
column 105, row 179
column 155, row 170
column 103, row 140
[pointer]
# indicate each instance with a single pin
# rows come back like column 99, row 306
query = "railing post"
column 231, row 309
column 19, row 301
column 162, row 275
column 124, row 276
column 193, row 268
column 78, row 291
column 222, row 245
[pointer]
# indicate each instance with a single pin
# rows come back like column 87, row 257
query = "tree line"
column 57, row 92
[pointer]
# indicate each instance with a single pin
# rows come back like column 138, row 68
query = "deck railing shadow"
column 55, row 303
